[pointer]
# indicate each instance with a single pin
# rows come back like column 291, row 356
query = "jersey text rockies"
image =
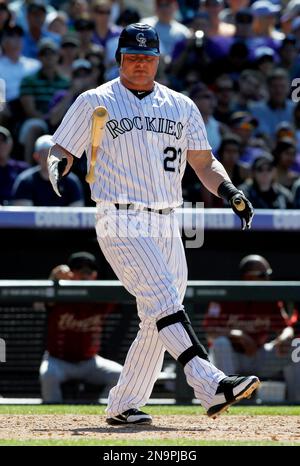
column 156, row 125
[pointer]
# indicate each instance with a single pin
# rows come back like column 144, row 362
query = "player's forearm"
column 212, row 175
column 58, row 153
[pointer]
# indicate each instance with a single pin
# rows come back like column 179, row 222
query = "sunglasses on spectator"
column 102, row 12
column 285, row 133
column 225, row 88
column 267, row 169
column 244, row 19
column 204, row 96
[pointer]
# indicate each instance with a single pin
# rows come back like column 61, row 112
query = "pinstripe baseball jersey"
column 142, row 157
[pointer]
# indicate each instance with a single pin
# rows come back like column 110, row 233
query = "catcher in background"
column 254, row 336
column 74, row 334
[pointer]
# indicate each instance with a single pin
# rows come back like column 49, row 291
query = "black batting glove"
column 237, row 200
column 242, row 207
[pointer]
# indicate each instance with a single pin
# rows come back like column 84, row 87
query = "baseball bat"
column 239, row 204
column 99, row 119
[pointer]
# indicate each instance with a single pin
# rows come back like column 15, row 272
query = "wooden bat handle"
column 99, row 118
column 239, row 204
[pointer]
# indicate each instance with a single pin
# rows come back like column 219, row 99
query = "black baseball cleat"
column 131, row 416
column 230, row 390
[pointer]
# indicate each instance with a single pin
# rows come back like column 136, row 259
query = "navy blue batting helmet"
column 138, row 38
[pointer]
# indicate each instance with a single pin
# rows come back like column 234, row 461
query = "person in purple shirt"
column 9, row 168
column 104, row 30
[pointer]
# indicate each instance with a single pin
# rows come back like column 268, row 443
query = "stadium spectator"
column 104, row 29
column 264, row 23
column 205, row 101
column 250, row 90
column 224, row 91
column 228, row 15
column 229, row 154
column 277, row 108
column 13, row 68
column 232, row 63
column 243, row 21
column 289, row 13
column 82, row 80
column 285, row 157
column 74, row 336
column 57, row 22
column 36, row 16
column 95, row 57
column 295, row 30
column 169, row 30
column 32, row 187
column 254, row 336
column 243, row 125
column 217, row 27
column 262, row 190
column 84, row 27
column 69, row 51
column 5, row 18
column 127, row 16
column 188, row 51
column 264, row 61
column 19, row 9
column 9, row 168
column 37, row 91
column 288, row 54
column 75, row 10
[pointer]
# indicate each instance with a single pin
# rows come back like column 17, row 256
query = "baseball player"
column 150, row 134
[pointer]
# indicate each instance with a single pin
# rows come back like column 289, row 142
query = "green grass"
column 153, row 410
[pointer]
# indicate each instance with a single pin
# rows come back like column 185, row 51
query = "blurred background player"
column 252, row 336
column 74, row 334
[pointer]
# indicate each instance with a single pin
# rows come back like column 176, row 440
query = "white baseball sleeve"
column 73, row 134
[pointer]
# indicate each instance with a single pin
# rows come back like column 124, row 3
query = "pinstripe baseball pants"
column 145, row 251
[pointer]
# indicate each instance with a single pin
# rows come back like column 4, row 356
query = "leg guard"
column 197, row 349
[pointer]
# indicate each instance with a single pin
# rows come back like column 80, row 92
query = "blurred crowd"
column 238, row 60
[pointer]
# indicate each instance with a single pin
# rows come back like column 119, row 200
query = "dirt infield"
column 68, row 426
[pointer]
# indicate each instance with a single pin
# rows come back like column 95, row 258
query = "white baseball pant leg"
column 153, row 269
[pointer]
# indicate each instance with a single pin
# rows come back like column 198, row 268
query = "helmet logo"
column 141, row 39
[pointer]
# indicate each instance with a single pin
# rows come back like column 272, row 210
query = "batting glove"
column 56, row 168
column 243, row 208
column 237, row 200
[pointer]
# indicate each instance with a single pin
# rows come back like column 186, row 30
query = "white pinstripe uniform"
column 141, row 161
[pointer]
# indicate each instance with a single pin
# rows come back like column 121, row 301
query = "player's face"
column 138, row 71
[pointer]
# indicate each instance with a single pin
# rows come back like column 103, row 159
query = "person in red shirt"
column 253, row 336
column 74, row 334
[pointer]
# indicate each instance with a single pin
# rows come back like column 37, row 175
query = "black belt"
column 167, row 210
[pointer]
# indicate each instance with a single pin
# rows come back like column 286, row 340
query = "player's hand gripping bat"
column 99, row 118
column 243, row 208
